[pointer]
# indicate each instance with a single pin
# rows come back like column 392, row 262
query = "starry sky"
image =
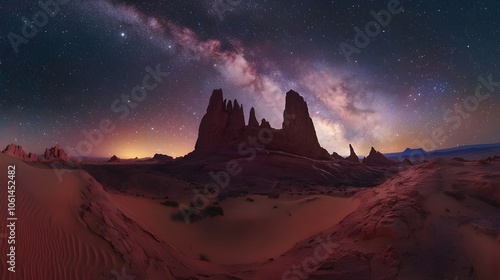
column 413, row 85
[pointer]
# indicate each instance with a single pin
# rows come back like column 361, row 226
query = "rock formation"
column 265, row 124
column 56, row 154
column 215, row 124
column 337, row 156
column 376, row 158
column 353, row 157
column 32, row 157
column 252, row 121
column 223, row 126
column 18, row 152
column 412, row 152
column 298, row 129
column 163, row 158
column 114, row 158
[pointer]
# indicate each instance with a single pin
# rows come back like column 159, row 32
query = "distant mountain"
column 163, row 158
column 54, row 154
column 114, row 159
column 375, row 158
column 469, row 152
column 18, row 151
column 57, row 153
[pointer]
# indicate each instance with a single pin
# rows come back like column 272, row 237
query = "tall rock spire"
column 353, row 157
column 299, row 129
column 252, row 120
column 213, row 124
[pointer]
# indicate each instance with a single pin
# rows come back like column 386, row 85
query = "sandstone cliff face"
column 377, row 159
column 298, row 128
column 220, row 120
column 223, row 126
column 213, row 123
column 18, row 152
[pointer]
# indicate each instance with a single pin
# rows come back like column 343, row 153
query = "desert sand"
column 436, row 220
column 249, row 231
column 292, row 212
column 72, row 229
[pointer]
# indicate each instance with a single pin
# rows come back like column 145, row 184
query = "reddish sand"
column 437, row 220
column 51, row 241
column 71, row 229
column 248, row 231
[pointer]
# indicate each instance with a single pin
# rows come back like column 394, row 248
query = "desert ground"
column 434, row 220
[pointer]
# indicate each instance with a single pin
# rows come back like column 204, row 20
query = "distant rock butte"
column 410, row 152
column 352, row 157
column 56, row 153
column 114, row 159
column 18, row 152
column 224, row 126
column 376, row 158
column 160, row 157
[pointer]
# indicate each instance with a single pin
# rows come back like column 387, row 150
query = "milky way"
column 415, row 84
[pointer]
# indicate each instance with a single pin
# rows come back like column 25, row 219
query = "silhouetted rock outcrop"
column 114, row 158
column 223, row 126
column 164, row 158
column 252, row 121
column 337, row 156
column 18, row 152
column 412, row 152
column 353, row 157
column 265, row 124
column 215, row 124
column 56, row 153
column 376, row 158
column 298, row 128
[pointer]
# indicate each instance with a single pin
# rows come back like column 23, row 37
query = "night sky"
column 398, row 91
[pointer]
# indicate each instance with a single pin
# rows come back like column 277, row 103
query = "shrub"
column 204, row 258
column 170, row 203
column 214, row 210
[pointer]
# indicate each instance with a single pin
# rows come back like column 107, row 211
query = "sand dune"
column 249, row 231
column 437, row 220
column 52, row 243
column 73, row 230
column 429, row 222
